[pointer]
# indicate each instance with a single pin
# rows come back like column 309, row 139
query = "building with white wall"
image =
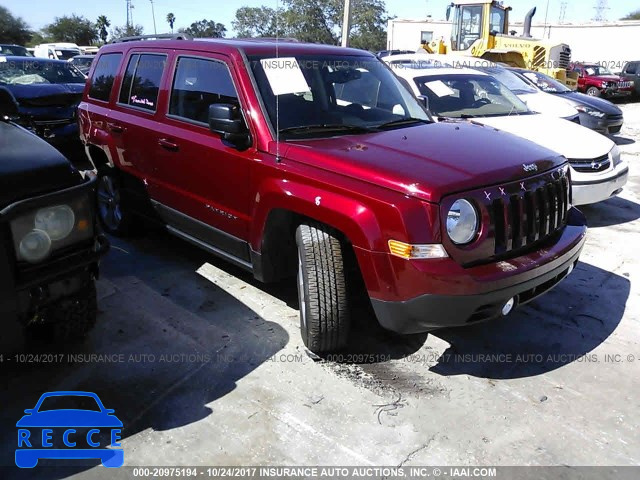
column 612, row 43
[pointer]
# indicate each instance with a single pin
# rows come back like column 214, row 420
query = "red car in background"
column 598, row 81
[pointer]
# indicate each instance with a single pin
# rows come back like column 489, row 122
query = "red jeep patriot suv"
column 287, row 158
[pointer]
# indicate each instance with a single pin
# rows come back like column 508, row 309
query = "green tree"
column 632, row 16
column 73, row 29
column 311, row 20
column 317, row 21
column 171, row 19
column 369, row 24
column 205, row 29
column 127, row 31
column 102, row 23
column 13, row 29
column 259, row 22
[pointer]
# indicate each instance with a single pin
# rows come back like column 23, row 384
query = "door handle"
column 168, row 145
column 114, row 127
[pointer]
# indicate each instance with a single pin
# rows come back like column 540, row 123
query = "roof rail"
column 160, row 36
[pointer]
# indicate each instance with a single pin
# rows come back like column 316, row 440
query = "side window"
column 197, row 84
column 141, row 84
column 632, row 68
column 127, row 81
column 103, row 76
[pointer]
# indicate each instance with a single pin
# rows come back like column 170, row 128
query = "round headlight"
column 462, row 222
column 58, row 221
column 35, row 246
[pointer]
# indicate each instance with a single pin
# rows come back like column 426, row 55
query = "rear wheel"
column 593, row 92
column 112, row 211
column 324, row 313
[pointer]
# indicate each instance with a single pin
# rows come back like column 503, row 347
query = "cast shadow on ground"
column 209, row 340
column 613, row 211
column 558, row 328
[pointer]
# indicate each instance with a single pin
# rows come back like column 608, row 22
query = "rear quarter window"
column 104, row 75
column 141, row 83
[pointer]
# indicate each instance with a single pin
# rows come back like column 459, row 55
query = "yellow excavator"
column 481, row 29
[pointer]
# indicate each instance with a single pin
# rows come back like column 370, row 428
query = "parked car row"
column 447, row 194
column 597, row 171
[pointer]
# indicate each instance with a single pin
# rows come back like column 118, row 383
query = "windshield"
column 82, row 62
column 63, row 54
column 305, row 93
column 510, row 79
column 29, row 72
column 465, row 96
column 546, row 83
column 14, row 50
column 597, row 70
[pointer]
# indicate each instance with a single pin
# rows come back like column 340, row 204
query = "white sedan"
column 597, row 173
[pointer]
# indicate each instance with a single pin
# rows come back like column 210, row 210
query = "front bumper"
column 479, row 293
column 601, row 125
column 586, row 191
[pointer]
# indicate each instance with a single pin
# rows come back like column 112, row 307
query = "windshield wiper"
column 403, row 121
column 323, row 127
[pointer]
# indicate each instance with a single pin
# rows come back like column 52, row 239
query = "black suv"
column 50, row 244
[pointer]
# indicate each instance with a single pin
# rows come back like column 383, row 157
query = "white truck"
column 57, row 51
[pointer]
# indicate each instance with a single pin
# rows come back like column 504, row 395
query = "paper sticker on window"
column 284, row 75
column 439, row 88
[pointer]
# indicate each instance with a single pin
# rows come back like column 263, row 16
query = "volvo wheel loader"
column 481, row 29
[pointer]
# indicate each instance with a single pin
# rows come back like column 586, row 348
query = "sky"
column 38, row 13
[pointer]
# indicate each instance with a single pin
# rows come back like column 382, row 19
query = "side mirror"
column 448, row 12
column 29, row 411
column 424, row 100
column 226, row 119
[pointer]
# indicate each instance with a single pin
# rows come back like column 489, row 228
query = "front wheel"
column 593, row 92
column 322, row 292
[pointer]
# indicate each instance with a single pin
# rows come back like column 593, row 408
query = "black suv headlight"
column 40, row 232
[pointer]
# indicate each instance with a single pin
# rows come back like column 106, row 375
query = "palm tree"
column 171, row 19
column 102, row 23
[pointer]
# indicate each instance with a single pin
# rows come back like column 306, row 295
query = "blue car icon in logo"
column 69, row 425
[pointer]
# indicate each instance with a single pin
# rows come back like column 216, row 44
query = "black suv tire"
column 322, row 291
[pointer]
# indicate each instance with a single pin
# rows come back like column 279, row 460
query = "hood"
column 567, row 138
column 548, row 104
column 29, row 166
column 606, row 78
column 427, row 161
column 47, row 95
column 595, row 102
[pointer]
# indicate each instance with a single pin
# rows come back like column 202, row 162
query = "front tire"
column 593, row 92
column 322, row 291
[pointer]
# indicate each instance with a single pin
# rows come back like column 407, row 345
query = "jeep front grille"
column 591, row 166
column 529, row 216
column 516, row 216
